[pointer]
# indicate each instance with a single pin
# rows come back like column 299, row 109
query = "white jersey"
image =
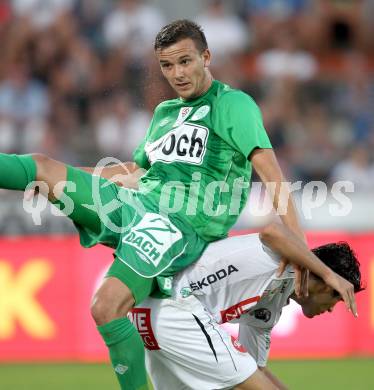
column 234, row 281
column 235, row 275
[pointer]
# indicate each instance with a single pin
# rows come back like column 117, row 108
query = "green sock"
column 126, row 353
column 16, row 171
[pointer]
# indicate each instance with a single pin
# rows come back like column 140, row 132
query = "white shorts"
column 187, row 349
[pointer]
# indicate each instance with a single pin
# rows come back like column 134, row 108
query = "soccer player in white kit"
column 235, row 281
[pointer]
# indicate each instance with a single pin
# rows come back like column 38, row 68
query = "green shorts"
column 147, row 245
column 140, row 287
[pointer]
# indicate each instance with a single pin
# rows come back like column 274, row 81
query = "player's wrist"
column 328, row 276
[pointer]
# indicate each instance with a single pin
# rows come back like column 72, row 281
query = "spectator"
column 129, row 31
column 285, row 60
column 312, row 151
column 48, row 50
column 42, row 13
column 266, row 17
column 340, row 22
column 5, row 12
column 24, row 108
column 120, row 127
column 366, row 31
column 131, row 26
column 90, row 14
column 357, row 169
column 355, row 98
column 67, row 138
column 225, row 33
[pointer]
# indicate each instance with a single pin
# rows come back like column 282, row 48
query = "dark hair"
column 178, row 30
column 342, row 260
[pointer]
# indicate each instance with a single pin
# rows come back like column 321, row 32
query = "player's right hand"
column 345, row 289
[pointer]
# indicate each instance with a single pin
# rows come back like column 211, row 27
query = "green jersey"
column 198, row 173
column 196, row 153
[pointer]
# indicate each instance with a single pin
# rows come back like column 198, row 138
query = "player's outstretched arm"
column 267, row 167
column 285, row 243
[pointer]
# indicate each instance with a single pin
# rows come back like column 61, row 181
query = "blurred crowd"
column 79, row 81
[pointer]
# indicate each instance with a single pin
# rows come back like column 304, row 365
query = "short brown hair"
column 178, row 30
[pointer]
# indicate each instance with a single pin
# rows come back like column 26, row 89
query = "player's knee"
column 98, row 311
column 101, row 310
column 108, row 305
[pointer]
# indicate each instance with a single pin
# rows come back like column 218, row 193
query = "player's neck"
column 208, row 81
column 295, row 298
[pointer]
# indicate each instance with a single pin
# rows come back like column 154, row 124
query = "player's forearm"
column 277, row 382
column 290, row 218
column 286, row 244
column 267, row 167
column 287, row 210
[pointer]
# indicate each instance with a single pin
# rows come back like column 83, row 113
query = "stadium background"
column 78, row 81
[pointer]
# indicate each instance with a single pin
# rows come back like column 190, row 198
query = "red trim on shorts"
column 141, row 318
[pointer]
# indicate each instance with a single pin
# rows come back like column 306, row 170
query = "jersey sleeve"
column 238, row 121
column 140, row 157
column 256, row 341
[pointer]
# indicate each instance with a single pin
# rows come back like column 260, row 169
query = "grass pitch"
column 345, row 374
column 348, row 374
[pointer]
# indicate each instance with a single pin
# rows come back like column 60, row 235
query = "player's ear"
column 327, row 289
column 206, row 57
column 317, row 286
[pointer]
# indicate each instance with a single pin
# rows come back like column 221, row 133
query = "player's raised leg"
column 114, row 299
column 18, row 171
column 51, row 172
column 120, row 289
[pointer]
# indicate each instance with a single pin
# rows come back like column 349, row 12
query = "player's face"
column 320, row 302
column 185, row 68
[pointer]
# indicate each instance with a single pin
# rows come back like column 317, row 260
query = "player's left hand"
column 301, row 278
column 304, row 288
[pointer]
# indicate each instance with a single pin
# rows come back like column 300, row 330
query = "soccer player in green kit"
column 205, row 142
